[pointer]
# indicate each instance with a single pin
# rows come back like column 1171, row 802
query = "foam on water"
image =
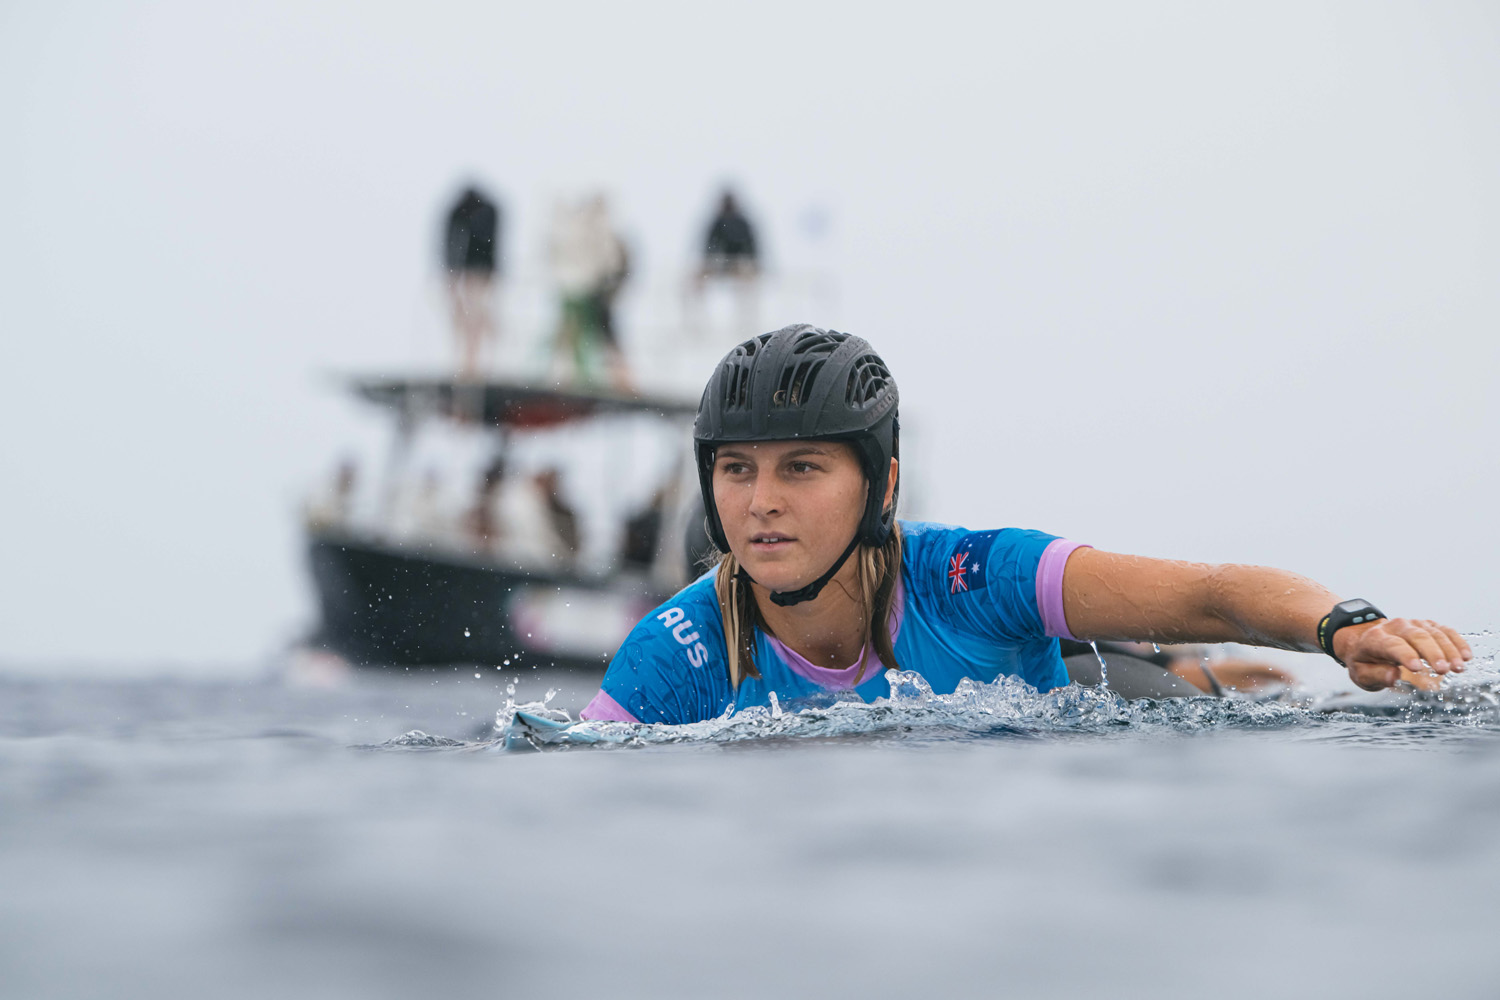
column 1007, row 708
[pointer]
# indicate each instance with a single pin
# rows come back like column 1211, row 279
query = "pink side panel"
column 1049, row 580
column 605, row 709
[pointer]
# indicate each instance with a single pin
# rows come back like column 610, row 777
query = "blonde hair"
column 877, row 570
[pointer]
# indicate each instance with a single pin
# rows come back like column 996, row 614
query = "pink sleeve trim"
column 605, row 709
column 1049, row 580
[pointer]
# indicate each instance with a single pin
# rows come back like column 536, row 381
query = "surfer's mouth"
column 770, row 541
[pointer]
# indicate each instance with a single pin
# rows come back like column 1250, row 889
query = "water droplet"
column 1103, row 667
column 466, row 633
column 1155, row 647
column 476, row 676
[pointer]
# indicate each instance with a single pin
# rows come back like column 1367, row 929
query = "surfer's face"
column 789, row 508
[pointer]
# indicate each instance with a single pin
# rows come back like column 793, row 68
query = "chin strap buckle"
column 785, row 599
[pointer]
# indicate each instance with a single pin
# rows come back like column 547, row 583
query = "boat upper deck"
column 503, row 403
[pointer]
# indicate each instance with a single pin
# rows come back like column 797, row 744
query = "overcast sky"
column 1189, row 280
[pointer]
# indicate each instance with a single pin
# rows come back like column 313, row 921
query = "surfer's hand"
column 1387, row 650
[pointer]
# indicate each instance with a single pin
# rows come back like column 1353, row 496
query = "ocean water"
column 382, row 838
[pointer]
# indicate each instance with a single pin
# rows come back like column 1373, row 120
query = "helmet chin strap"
column 786, row 598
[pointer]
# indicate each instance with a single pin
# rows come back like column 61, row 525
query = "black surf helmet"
column 804, row 382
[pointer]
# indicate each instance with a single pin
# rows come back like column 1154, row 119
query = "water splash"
column 418, row 740
column 530, row 724
column 1103, row 667
column 1009, row 708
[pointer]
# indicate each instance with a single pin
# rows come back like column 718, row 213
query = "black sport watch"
column 1355, row 612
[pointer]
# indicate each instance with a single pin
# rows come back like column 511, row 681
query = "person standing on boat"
column 820, row 588
column 730, row 250
column 731, row 255
column 590, row 264
column 471, row 259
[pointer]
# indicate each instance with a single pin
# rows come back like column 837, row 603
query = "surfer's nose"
column 765, row 498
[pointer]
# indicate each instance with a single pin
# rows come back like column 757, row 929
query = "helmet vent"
column 797, row 383
column 822, row 342
column 867, row 381
column 737, row 384
column 737, row 388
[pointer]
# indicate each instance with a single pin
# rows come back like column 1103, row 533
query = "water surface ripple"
column 164, row 838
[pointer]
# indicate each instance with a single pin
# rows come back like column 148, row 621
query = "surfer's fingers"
column 1460, row 644
column 1374, row 676
column 1424, row 643
column 1430, row 653
column 1386, row 643
column 1449, row 641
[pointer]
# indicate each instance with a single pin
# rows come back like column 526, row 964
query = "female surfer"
column 819, row 587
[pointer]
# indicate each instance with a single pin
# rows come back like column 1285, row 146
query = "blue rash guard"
column 973, row 604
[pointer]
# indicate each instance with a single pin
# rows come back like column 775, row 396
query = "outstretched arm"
column 1112, row 596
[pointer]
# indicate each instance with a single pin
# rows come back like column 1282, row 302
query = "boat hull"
column 388, row 604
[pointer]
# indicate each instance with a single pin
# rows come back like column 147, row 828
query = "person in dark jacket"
column 729, row 248
column 471, row 258
column 731, row 257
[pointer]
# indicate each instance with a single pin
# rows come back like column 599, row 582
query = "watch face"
column 1355, row 612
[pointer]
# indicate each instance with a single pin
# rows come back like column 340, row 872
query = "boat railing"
column 671, row 331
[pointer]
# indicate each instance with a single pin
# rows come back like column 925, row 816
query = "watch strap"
column 1353, row 612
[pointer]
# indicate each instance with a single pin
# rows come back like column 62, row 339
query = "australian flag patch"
column 966, row 565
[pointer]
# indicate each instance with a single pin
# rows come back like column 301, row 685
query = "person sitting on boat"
column 334, row 506
column 820, row 588
column 562, row 519
column 482, row 520
column 419, row 514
